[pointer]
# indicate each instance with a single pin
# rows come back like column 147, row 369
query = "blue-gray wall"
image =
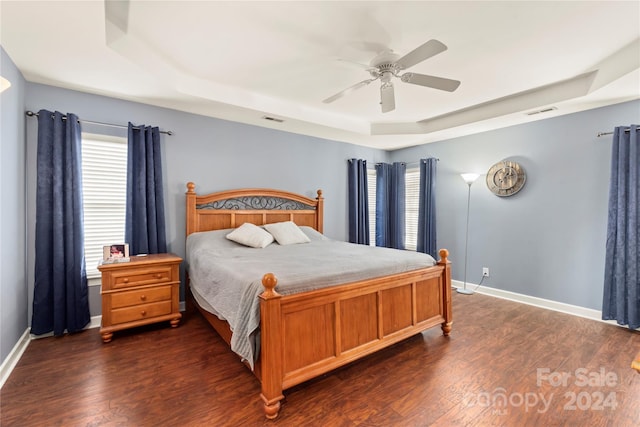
column 548, row 240
column 215, row 154
column 13, row 280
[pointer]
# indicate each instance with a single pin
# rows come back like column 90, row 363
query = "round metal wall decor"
column 506, row 178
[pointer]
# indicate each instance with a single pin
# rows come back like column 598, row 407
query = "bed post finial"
column 191, row 187
column 444, row 254
column 269, row 281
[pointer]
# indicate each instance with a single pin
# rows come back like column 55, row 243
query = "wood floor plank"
column 157, row 375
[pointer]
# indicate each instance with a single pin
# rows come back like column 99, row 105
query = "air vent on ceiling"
column 273, row 119
column 544, row 110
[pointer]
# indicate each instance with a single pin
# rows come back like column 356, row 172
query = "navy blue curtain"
column 358, row 201
column 390, row 205
column 621, row 301
column 60, row 294
column 144, row 222
column 427, row 207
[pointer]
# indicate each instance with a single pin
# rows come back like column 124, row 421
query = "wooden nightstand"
column 142, row 291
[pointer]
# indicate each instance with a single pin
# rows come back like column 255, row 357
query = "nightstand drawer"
column 140, row 312
column 138, row 277
column 142, row 296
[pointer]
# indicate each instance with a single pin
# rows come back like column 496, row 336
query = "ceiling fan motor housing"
column 386, row 69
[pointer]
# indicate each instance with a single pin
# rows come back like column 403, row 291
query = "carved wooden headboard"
column 230, row 209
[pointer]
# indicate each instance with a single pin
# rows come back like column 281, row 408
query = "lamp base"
column 465, row 291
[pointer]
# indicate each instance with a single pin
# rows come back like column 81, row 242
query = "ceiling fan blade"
column 374, row 47
column 430, row 81
column 348, row 90
column 356, row 64
column 419, row 54
column 387, row 98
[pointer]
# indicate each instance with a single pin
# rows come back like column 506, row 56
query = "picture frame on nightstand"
column 117, row 252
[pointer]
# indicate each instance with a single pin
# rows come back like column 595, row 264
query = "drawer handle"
column 143, row 297
column 126, row 280
column 143, row 312
column 158, row 276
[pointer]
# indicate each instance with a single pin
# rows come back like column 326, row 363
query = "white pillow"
column 287, row 233
column 250, row 235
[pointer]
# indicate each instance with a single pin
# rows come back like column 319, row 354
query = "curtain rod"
column 611, row 133
column 413, row 163
column 31, row 114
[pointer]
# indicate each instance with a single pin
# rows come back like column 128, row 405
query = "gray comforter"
column 228, row 276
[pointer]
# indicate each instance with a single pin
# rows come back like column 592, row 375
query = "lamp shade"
column 469, row 178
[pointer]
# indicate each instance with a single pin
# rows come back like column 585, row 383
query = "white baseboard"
column 575, row 310
column 96, row 321
column 14, row 356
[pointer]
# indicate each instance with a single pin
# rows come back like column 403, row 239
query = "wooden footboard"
column 306, row 335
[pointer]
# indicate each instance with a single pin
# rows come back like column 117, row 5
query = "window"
column 412, row 199
column 104, row 190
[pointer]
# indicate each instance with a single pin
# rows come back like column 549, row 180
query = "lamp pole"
column 469, row 178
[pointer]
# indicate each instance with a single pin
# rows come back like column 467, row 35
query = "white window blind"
column 104, row 187
column 371, row 190
column 412, row 199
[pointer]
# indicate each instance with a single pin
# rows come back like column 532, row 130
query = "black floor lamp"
column 469, row 178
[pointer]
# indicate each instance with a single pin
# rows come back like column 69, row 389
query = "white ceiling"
column 242, row 60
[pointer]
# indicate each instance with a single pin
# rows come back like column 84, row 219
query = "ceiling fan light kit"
column 388, row 64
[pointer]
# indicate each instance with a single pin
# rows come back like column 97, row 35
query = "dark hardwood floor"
column 504, row 364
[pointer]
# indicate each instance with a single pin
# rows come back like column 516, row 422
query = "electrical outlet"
column 485, row 271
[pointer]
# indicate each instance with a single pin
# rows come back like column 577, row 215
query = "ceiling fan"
column 388, row 64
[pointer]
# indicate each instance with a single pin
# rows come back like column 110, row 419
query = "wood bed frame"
column 308, row 334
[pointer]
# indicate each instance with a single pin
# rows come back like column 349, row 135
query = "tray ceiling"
column 243, row 61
